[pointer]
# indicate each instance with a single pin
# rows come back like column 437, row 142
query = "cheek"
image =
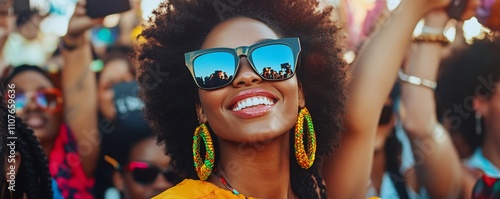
column 133, row 189
column 212, row 101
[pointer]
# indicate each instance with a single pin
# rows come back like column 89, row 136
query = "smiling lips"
column 252, row 103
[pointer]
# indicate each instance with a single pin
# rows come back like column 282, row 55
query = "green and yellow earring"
column 304, row 159
column 203, row 168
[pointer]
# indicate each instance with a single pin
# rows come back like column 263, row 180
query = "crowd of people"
column 189, row 108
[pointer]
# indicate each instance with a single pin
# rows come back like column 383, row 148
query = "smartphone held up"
column 103, row 8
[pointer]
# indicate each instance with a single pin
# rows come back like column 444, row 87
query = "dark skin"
column 79, row 88
column 45, row 124
column 145, row 151
column 114, row 72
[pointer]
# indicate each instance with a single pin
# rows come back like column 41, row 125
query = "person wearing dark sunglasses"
column 141, row 169
column 255, row 134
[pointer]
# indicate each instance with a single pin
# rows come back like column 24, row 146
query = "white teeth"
column 253, row 101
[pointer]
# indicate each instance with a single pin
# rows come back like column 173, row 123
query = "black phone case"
column 457, row 8
column 21, row 6
column 102, row 8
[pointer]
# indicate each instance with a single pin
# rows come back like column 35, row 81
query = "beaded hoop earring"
column 304, row 159
column 203, row 168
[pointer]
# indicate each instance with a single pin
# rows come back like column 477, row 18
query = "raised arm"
column 438, row 166
column 79, row 89
column 347, row 171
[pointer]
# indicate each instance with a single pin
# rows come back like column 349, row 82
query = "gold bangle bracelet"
column 439, row 38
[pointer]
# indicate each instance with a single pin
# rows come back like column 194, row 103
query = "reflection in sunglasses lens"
column 214, row 69
column 20, row 101
column 217, row 69
column 274, row 61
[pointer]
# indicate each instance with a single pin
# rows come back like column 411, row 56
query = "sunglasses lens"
column 274, row 61
column 20, row 101
column 386, row 115
column 145, row 175
column 46, row 100
column 214, row 70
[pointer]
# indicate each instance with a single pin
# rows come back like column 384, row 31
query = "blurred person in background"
column 32, row 178
column 27, row 40
column 146, row 171
column 119, row 134
column 60, row 117
column 142, row 171
column 117, row 69
column 40, row 105
column 470, row 97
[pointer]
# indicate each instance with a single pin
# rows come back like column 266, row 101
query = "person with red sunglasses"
column 64, row 119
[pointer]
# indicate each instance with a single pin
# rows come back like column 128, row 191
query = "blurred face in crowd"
column 386, row 124
column 258, row 122
column 140, row 178
column 115, row 71
column 44, row 123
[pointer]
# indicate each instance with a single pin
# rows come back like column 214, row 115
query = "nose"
column 246, row 76
column 31, row 104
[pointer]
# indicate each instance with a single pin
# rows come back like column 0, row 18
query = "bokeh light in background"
column 59, row 12
column 473, row 29
column 102, row 36
column 392, row 4
column 147, row 7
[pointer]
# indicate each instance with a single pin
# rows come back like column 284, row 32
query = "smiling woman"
column 263, row 134
column 251, row 117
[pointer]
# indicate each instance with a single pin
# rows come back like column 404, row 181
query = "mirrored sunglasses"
column 272, row 60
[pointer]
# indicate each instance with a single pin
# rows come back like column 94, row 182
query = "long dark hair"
column 32, row 178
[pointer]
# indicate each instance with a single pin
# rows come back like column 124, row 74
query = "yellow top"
column 197, row 189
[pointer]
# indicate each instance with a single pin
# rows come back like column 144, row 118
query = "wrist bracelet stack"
column 417, row 80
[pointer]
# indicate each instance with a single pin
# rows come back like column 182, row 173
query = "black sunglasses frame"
column 293, row 43
column 166, row 173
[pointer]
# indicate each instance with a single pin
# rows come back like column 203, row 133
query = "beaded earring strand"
column 225, row 182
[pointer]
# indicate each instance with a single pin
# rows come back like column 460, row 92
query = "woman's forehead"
column 238, row 32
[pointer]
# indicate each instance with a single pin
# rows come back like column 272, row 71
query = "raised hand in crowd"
column 374, row 73
column 437, row 166
column 79, row 87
